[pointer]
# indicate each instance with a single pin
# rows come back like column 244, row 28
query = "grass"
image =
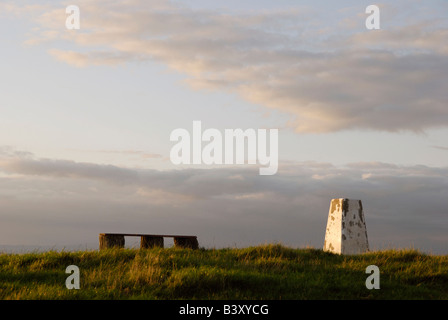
column 262, row 272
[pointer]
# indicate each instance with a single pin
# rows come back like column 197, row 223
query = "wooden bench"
column 109, row 240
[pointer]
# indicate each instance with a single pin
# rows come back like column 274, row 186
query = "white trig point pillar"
column 346, row 228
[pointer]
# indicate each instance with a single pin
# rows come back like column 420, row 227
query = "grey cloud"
column 225, row 206
column 11, row 152
column 137, row 153
column 440, row 147
column 71, row 169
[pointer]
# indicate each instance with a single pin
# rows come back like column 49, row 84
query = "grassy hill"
column 262, row 272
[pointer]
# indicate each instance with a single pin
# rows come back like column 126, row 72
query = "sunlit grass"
column 261, row 272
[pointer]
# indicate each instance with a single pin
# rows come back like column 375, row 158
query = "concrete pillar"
column 346, row 231
column 186, row 242
column 111, row 240
column 150, row 242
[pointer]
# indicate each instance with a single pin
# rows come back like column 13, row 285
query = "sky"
column 86, row 117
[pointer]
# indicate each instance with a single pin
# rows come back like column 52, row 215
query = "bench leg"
column 181, row 242
column 150, row 242
column 110, row 240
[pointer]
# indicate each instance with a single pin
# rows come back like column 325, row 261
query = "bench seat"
column 109, row 240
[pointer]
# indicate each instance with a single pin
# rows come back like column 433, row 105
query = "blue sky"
column 361, row 114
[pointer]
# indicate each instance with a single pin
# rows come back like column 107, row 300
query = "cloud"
column 136, row 153
column 326, row 79
column 405, row 205
column 440, row 147
column 85, row 59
